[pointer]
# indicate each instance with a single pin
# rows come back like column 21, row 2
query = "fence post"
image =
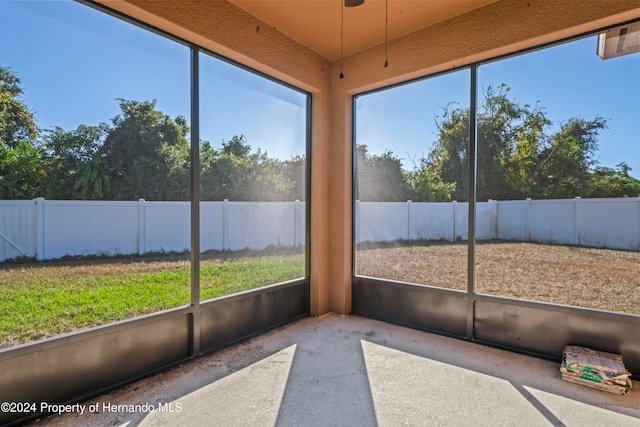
column 142, row 227
column 357, row 221
column 527, row 216
column 296, row 218
column 409, row 219
column 39, row 216
column 453, row 207
column 302, row 223
column 492, row 218
column 295, row 223
column 577, row 220
column 496, row 221
column 225, row 224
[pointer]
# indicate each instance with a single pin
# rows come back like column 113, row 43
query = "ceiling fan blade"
column 353, row 3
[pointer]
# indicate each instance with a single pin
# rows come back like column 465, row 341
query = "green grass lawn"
column 39, row 301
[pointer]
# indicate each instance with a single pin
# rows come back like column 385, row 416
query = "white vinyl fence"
column 50, row 229
column 607, row 223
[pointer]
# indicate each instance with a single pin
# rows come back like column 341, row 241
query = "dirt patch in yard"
column 603, row 279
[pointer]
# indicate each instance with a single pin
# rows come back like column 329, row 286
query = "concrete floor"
column 352, row 371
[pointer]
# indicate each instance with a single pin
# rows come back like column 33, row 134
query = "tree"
column 235, row 173
column 20, row 160
column 567, row 161
column 509, row 139
column 267, row 183
column 224, row 173
column 449, row 157
column 294, row 171
column 146, row 154
column 515, row 157
column 224, row 177
column 17, row 123
column 380, row 177
column 20, row 171
column 74, row 163
column 609, row 182
column 424, row 185
column 237, row 146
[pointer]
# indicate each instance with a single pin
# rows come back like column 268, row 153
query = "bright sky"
column 75, row 61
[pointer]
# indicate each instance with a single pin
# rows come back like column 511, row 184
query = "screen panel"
column 94, row 168
column 559, row 177
column 411, row 211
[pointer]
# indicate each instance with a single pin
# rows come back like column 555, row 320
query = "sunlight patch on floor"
column 250, row 396
column 453, row 395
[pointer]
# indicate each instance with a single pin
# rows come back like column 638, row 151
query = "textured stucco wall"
column 499, row 28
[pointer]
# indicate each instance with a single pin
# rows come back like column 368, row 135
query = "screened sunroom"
column 181, row 176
